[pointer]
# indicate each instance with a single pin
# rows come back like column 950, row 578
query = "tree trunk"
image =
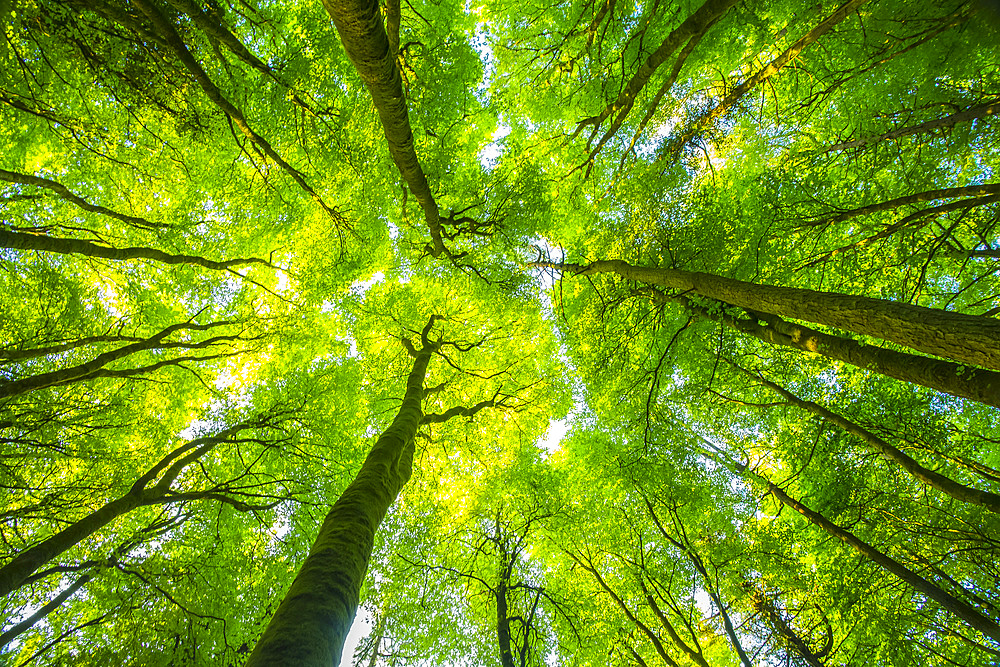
column 650, row 635
column 311, row 623
column 688, row 550
column 969, row 339
column 359, row 24
column 80, row 202
column 89, row 369
column 692, row 28
column 785, row 631
column 946, row 485
column 503, row 621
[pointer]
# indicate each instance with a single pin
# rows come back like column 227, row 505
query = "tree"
column 711, row 376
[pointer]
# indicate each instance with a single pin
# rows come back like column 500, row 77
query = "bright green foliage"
column 865, row 165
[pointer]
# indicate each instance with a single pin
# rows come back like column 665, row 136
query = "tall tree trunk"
column 645, row 629
column 974, row 384
column 946, row 485
column 14, row 573
column 685, row 546
column 80, row 202
column 503, row 621
column 785, row 631
column 969, row 339
column 359, row 24
column 64, row 246
column 967, row 613
column 311, row 623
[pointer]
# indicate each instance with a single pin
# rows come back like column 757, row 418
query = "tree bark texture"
column 968, row 339
column 359, row 24
column 311, row 623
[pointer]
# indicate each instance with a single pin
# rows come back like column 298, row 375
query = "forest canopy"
column 575, row 332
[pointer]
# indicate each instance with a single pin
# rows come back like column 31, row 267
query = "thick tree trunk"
column 946, row 485
column 64, row 246
column 969, row 339
column 359, row 24
column 14, row 573
column 971, row 616
column 945, row 376
column 313, row 619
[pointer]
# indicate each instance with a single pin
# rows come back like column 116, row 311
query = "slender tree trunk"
column 167, row 32
column 969, row 339
column 650, row 635
column 969, row 191
column 785, row 631
column 692, row 28
column 10, row 355
column 694, row 654
column 313, row 619
column 946, row 485
column 359, row 24
column 14, row 573
column 64, row 246
column 710, row 588
column 95, row 365
column 973, row 113
column 46, row 609
column 80, row 202
column 503, row 621
column 763, row 75
column 968, row 614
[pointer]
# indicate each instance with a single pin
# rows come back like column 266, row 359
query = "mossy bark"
column 969, row 339
column 359, row 24
column 311, row 623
